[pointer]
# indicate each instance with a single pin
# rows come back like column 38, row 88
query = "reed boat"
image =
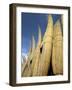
column 57, row 51
column 46, row 48
column 36, row 59
column 27, row 71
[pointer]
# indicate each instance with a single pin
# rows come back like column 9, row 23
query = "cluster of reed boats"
column 47, row 53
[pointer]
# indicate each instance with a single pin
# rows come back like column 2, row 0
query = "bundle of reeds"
column 47, row 48
column 27, row 71
column 36, row 61
column 57, row 53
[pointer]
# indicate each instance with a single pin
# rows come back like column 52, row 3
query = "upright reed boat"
column 36, row 61
column 57, row 53
column 27, row 71
column 47, row 47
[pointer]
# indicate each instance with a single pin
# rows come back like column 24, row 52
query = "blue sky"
column 30, row 23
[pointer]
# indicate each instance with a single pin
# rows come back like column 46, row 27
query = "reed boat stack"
column 49, row 49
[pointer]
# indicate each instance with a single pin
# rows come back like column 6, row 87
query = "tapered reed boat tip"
column 57, row 23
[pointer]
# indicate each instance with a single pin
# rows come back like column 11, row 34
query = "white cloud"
column 24, row 55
